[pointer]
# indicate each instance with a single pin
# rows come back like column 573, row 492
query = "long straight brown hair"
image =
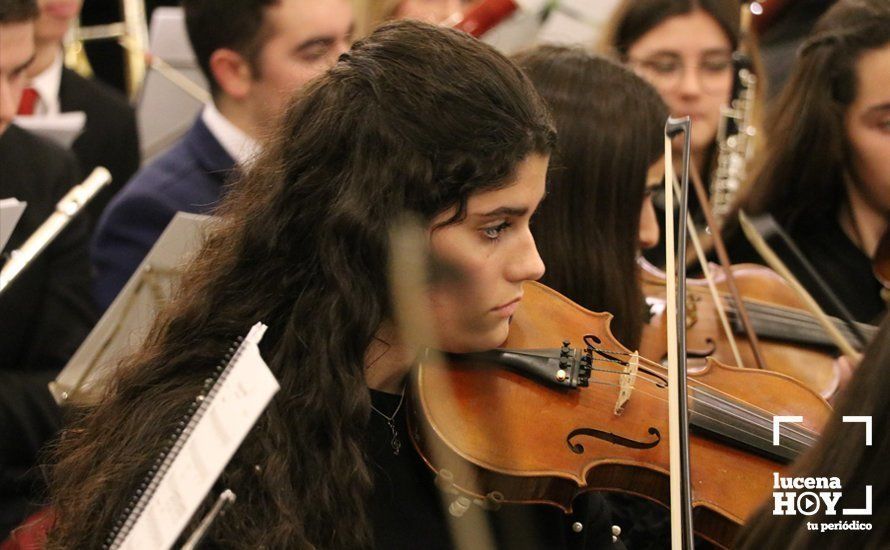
column 610, row 124
column 800, row 178
column 413, row 119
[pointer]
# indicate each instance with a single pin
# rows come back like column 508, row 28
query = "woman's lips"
column 508, row 309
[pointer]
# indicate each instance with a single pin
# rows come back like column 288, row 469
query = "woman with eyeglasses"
column 684, row 49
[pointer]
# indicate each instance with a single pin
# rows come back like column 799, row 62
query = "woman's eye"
column 494, row 232
column 716, row 65
column 664, row 67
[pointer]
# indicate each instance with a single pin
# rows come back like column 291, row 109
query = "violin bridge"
column 626, row 382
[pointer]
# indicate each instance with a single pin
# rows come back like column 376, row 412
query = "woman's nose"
column 527, row 264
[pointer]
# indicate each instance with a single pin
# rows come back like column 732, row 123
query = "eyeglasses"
column 666, row 72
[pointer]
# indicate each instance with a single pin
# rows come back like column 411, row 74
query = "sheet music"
column 241, row 398
column 61, row 128
column 10, row 212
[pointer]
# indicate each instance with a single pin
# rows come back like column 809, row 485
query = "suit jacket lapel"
column 209, row 153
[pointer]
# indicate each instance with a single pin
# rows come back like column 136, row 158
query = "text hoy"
column 808, row 503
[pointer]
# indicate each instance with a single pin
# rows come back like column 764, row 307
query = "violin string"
column 781, row 317
column 767, row 440
column 789, row 432
column 780, row 321
column 803, row 322
column 711, row 392
column 765, row 419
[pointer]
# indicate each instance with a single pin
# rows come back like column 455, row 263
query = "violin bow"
column 723, row 258
column 771, row 258
column 712, row 286
column 678, row 413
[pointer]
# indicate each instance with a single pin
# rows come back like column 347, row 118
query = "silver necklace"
column 395, row 442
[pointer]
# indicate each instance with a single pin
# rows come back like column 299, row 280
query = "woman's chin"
column 482, row 340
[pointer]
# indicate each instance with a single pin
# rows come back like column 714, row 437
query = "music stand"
column 125, row 324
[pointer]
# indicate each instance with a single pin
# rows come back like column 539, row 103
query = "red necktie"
column 28, row 101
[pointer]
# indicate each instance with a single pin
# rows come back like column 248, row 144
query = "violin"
column 564, row 408
column 791, row 340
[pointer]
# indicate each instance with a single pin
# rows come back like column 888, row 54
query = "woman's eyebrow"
column 505, row 211
column 880, row 108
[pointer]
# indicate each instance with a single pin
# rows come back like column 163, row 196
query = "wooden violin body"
column 504, row 437
column 791, row 341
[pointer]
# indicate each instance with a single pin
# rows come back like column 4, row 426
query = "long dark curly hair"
column 413, row 118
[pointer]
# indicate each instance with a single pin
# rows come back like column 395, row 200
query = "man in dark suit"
column 46, row 312
column 255, row 54
column 109, row 136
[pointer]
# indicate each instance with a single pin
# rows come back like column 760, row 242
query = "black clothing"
column 656, row 255
column 842, row 265
column 44, row 314
column 109, row 136
column 780, row 41
column 407, row 510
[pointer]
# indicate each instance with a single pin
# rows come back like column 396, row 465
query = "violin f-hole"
column 577, row 448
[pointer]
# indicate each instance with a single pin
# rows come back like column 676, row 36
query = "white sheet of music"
column 10, row 212
column 242, row 397
column 61, row 128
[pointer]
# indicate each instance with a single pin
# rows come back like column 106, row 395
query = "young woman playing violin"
column 826, row 178
column 413, row 119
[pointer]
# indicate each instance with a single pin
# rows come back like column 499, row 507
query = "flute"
column 68, row 207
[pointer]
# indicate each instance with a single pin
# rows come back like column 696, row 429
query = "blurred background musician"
column 255, row 54
column 109, row 136
column 371, row 13
column 45, row 312
column 826, row 177
column 685, row 49
column 598, row 215
column 841, row 452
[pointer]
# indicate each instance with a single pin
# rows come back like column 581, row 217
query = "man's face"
column 16, row 52
column 55, row 19
column 305, row 39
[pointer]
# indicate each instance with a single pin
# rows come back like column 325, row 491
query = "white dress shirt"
column 236, row 143
column 47, row 85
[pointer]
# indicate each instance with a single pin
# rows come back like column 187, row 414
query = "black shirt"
column 837, row 260
column 407, row 510
column 44, row 314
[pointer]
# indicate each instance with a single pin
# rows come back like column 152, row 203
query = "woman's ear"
column 232, row 72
